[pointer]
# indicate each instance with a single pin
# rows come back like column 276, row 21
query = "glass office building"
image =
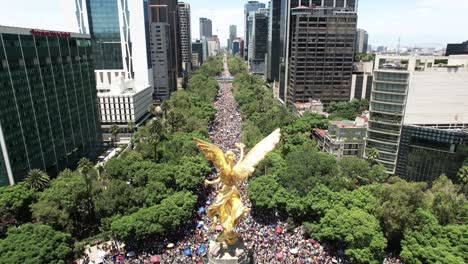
column 428, row 152
column 104, row 28
column 48, row 105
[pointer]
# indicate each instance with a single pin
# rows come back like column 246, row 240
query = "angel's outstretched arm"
column 207, row 182
column 241, row 148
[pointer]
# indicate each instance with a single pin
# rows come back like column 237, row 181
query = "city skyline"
column 416, row 24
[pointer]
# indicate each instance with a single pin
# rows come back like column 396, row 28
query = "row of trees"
column 350, row 203
column 147, row 193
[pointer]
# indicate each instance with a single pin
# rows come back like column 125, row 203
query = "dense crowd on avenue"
column 268, row 240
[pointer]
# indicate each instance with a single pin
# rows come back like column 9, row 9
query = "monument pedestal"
column 221, row 253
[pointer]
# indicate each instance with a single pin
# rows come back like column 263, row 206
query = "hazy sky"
column 417, row 22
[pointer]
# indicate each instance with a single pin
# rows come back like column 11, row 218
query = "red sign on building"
column 44, row 33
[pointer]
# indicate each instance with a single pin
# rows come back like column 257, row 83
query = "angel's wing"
column 246, row 167
column 212, row 153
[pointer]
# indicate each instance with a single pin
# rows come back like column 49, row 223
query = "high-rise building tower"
column 424, row 91
column 251, row 6
column 319, row 51
column 165, row 46
column 362, row 39
column 197, row 52
column 49, row 116
column 185, row 36
column 206, row 28
column 274, row 44
column 232, row 35
column 258, row 46
column 124, row 79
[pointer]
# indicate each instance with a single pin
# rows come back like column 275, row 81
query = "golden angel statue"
column 227, row 206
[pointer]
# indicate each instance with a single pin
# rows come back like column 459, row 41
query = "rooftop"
column 41, row 32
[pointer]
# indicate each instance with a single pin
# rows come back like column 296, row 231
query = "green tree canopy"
column 435, row 243
column 397, row 207
column 31, row 244
column 447, row 201
column 14, row 205
column 358, row 231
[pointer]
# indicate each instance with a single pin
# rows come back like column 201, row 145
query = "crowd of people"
column 267, row 239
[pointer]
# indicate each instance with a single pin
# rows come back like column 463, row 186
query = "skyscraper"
column 422, row 91
column 206, row 28
column 362, row 39
column 164, row 39
column 185, row 36
column 49, row 116
column 258, row 46
column 319, row 51
column 232, row 35
column 251, row 6
column 104, row 27
column 274, row 50
column 197, row 48
column 120, row 32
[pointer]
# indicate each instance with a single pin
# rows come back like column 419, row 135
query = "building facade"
column 251, row 6
column 206, row 28
column 321, row 54
column 213, row 46
column 121, row 26
column 165, row 81
column 361, row 83
column 185, row 36
column 422, row 91
column 258, row 46
column 362, row 41
column 457, row 49
column 49, row 116
column 274, row 50
column 232, row 36
column 103, row 18
column 236, row 47
column 326, row 41
column 164, row 40
column 343, row 138
column 197, row 49
column 425, row 152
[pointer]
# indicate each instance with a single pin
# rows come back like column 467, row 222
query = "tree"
column 463, row 174
column 115, row 130
column 37, row 179
column 64, row 205
column 358, row 231
column 31, row 243
column 447, row 201
column 262, row 192
column 165, row 107
column 191, row 172
column 176, row 121
column 355, row 171
column 86, row 168
column 378, row 173
column 14, row 205
column 397, row 207
column 306, row 167
column 435, row 243
column 156, row 133
column 372, row 155
column 131, row 127
column 157, row 220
